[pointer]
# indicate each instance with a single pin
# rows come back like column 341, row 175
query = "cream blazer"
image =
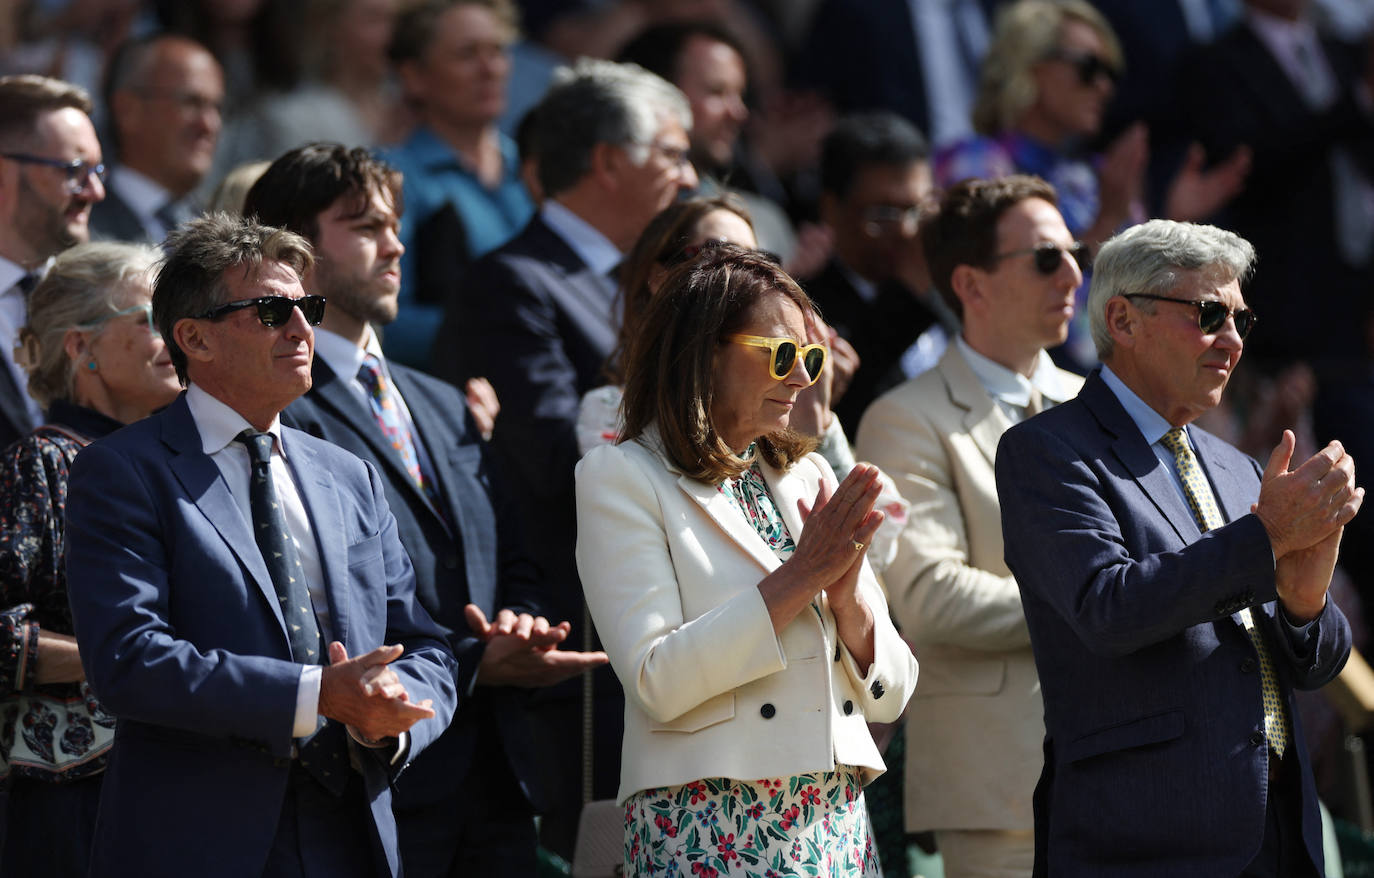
column 670, row 568
column 975, row 728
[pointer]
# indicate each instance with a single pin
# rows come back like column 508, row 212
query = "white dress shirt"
column 1010, row 389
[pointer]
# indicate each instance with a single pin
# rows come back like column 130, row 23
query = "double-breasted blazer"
column 671, row 568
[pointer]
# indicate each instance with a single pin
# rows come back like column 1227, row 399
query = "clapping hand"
column 365, row 694
column 522, row 650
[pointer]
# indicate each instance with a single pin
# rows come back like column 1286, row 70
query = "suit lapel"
column 12, row 406
column 201, row 479
column 317, row 492
column 984, row 419
column 723, row 511
column 1234, row 490
column 1136, row 456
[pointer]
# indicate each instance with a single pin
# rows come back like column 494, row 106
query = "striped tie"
column 1208, row 517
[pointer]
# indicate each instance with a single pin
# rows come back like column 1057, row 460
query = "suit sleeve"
column 1065, row 545
column 667, row 664
column 509, row 334
column 891, row 677
column 427, row 668
column 938, row 597
column 121, row 599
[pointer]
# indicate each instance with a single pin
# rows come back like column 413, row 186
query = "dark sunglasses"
column 1088, row 66
column 273, row 311
column 1211, row 314
column 1049, row 256
column 784, row 355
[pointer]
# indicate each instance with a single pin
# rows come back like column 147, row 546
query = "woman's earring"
column 91, row 365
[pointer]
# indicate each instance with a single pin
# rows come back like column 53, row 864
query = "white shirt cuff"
column 307, row 701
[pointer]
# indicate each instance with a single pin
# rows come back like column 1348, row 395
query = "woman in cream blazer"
column 752, row 652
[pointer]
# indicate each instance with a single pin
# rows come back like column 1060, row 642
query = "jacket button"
column 1257, row 739
column 768, row 711
column 848, row 708
column 1247, row 666
column 876, row 689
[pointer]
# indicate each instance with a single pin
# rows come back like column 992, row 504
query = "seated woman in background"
column 726, row 574
column 95, row 363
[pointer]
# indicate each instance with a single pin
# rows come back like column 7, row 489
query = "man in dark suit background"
column 876, row 290
column 51, row 173
column 164, row 94
column 1175, row 594
column 466, row 805
column 1300, row 101
column 538, row 317
column 212, row 554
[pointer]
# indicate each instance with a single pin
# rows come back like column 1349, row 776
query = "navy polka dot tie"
column 283, row 562
column 1208, row 516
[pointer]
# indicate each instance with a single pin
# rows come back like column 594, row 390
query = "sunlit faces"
column 712, row 76
column 255, row 368
column 461, row 80
column 170, row 121
column 1064, row 104
column 871, row 224
column 48, row 216
column 130, row 361
column 358, row 259
column 749, row 402
column 1026, row 309
column 645, row 189
column 1181, row 371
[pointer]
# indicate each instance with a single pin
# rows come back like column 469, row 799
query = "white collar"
column 218, row 423
column 594, row 249
column 1011, row 386
column 342, row 356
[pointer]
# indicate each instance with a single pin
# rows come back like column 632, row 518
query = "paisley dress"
column 812, row 824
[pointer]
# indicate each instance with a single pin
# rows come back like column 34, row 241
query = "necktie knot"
column 27, row 283
column 1176, row 442
column 259, row 446
column 370, row 374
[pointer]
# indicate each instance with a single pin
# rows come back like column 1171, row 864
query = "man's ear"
column 1121, row 322
column 967, row 283
column 191, row 336
column 608, row 160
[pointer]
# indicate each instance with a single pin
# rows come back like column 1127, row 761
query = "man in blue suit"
column 212, row 555
column 461, row 534
column 1175, row 593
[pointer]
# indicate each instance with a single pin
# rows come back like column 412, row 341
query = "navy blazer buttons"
column 768, row 711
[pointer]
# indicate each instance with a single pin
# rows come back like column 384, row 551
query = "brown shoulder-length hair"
column 662, row 244
column 670, row 364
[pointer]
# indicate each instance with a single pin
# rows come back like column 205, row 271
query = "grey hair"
column 596, row 102
column 81, row 290
column 1025, row 34
column 190, row 280
column 1150, row 257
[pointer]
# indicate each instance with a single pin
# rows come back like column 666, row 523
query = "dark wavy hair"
column 670, row 363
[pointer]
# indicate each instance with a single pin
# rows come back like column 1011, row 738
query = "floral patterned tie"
column 388, row 416
column 1208, row 516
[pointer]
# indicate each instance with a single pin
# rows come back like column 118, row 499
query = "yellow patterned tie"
column 1208, row 517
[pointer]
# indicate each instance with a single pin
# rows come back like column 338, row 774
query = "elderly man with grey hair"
column 537, row 317
column 1175, row 591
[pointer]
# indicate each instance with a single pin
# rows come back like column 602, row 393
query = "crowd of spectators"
column 515, row 179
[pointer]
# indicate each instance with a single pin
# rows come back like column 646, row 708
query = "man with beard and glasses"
column 50, row 175
column 471, row 571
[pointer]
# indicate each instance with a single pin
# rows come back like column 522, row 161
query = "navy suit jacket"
column 539, row 324
column 112, row 219
column 467, row 550
column 182, row 637
column 1155, row 763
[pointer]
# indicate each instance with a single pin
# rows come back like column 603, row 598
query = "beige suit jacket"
column 670, row 567
column 976, row 724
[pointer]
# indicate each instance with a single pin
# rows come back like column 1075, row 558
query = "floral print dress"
column 812, row 824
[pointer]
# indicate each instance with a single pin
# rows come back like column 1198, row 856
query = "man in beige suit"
column 1001, row 256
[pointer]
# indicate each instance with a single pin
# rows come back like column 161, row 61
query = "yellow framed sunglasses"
column 785, row 355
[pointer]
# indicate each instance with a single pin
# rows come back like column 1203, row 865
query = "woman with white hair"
column 95, row 363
